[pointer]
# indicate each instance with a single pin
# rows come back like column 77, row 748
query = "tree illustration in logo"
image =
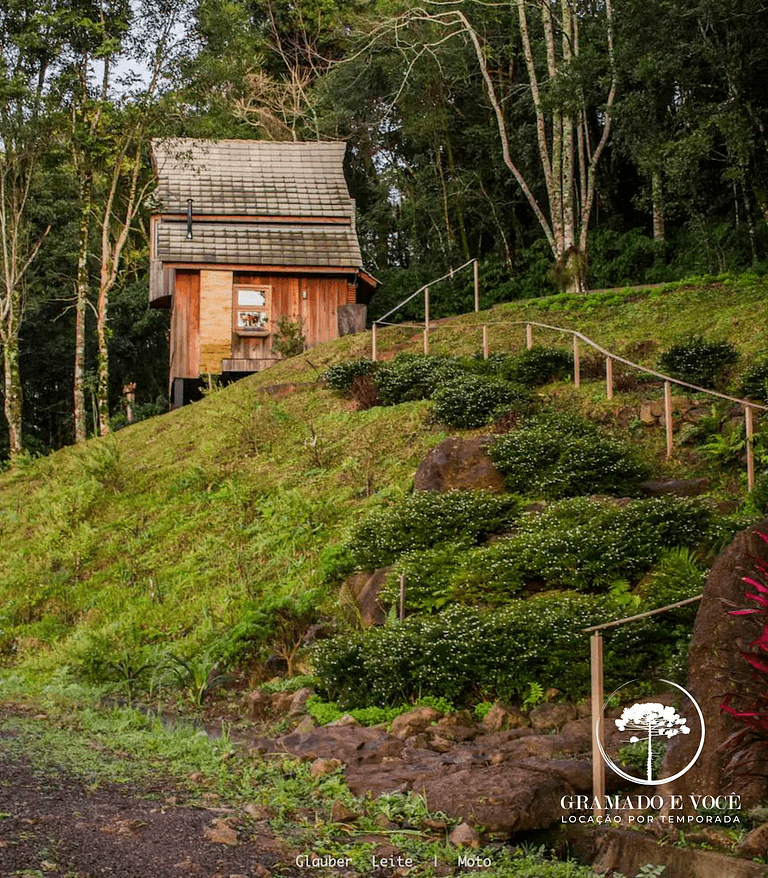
column 654, row 721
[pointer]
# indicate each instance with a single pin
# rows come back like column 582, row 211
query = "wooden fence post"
column 576, row 363
column 668, row 416
column 609, row 377
column 750, row 424
column 528, row 336
column 485, row 342
column 402, row 596
column 598, row 766
column 426, row 320
column 374, row 351
column 477, row 286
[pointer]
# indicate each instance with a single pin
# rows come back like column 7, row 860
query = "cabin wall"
column 185, row 326
column 313, row 298
column 202, row 333
column 215, row 319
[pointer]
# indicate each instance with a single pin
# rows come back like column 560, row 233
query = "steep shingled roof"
column 252, row 178
column 260, row 244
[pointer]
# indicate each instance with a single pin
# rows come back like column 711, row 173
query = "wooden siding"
column 202, row 333
column 185, row 326
column 215, row 319
column 313, row 298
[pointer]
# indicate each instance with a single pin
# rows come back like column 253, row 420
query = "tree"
column 655, row 721
column 27, row 51
column 110, row 137
column 552, row 45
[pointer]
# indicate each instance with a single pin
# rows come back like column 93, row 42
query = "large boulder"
column 361, row 592
column 459, row 463
column 717, row 670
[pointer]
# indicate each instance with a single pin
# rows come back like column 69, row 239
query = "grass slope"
column 170, row 526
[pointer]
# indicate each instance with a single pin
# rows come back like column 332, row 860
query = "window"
column 252, row 310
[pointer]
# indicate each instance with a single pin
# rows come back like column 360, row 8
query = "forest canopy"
column 566, row 145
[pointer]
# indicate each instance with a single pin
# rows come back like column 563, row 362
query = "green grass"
column 164, row 531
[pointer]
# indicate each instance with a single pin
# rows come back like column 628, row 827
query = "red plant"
column 755, row 715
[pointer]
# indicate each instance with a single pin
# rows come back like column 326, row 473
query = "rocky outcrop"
column 506, row 781
column 459, row 463
column 716, row 671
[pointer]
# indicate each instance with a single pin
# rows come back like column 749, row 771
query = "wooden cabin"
column 247, row 232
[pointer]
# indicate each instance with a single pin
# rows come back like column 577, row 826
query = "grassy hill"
column 170, row 529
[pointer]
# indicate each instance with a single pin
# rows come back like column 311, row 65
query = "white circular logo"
column 649, row 726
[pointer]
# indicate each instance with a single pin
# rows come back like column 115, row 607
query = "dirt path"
column 53, row 825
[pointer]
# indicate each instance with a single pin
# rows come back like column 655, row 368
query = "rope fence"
column 749, row 407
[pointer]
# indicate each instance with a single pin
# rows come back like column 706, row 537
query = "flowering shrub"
column 558, row 456
column 583, row 545
column 424, row 520
column 576, row 544
column 698, row 360
column 341, row 376
column 414, row 376
column 472, row 400
column 538, row 365
column 428, row 575
column 754, row 382
column 463, row 651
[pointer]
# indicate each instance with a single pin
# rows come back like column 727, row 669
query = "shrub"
column 754, row 382
column 428, row 575
column 342, row 375
column 472, row 400
column 677, row 576
column 698, row 360
column 424, row 520
column 289, row 340
column 463, row 651
column 558, row 456
column 582, row 545
column 414, row 376
column 537, row 366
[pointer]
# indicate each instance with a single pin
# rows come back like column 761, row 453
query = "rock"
column 501, row 717
column 221, row 833
column 321, row 767
column 363, row 590
column 510, row 797
column 345, row 720
column 298, row 705
column 676, row 487
column 259, row 704
column 417, row 720
column 340, row 813
column 307, row 724
column 459, row 463
column 464, row 836
column 716, row 670
column 656, row 408
column 281, row 702
column 353, row 745
column 552, row 716
column 647, row 418
column 754, row 843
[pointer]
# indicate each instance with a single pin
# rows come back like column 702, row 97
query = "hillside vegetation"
column 228, row 515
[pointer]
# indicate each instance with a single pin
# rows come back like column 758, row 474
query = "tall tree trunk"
column 12, row 405
column 657, row 200
column 102, row 333
column 81, row 305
